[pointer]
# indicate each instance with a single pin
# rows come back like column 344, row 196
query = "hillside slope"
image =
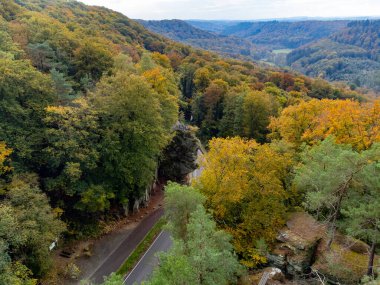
column 183, row 32
column 284, row 35
column 88, row 102
column 351, row 55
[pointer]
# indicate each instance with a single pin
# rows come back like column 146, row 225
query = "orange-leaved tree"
column 350, row 122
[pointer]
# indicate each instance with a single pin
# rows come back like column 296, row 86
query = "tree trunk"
column 333, row 223
column 331, row 234
column 371, row 259
column 342, row 192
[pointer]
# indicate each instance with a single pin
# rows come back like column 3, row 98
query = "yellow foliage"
column 4, row 157
column 348, row 121
column 161, row 59
column 224, row 179
column 244, row 186
column 156, row 79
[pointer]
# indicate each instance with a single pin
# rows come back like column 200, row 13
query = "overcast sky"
column 239, row 9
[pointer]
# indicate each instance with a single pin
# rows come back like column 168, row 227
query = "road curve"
column 124, row 250
column 144, row 268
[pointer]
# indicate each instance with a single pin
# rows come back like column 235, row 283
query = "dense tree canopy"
column 88, row 109
column 348, row 121
column 244, row 186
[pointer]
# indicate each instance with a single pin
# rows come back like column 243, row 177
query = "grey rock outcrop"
column 297, row 245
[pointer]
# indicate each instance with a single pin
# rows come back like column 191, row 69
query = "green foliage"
column 72, row 154
column 36, row 224
column 362, row 211
column 204, row 257
column 180, row 202
column 62, row 86
column 7, row 48
column 135, row 131
column 114, row 279
column 330, row 177
column 257, row 108
column 28, row 226
column 179, row 157
column 92, row 60
column 174, row 269
column 24, row 94
column 370, row 280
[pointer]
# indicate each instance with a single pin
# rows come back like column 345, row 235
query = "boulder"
column 275, row 274
column 298, row 241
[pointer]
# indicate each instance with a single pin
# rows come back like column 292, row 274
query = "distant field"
column 279, row 51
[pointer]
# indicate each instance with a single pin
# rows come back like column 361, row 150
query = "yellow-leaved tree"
column 4, row 156
column 244, row 184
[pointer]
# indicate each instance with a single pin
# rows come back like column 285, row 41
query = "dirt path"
column 121, row 239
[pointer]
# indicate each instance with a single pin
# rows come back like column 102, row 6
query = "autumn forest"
column 95, row 110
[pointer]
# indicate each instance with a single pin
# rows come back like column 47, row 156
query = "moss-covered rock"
column 298, row 241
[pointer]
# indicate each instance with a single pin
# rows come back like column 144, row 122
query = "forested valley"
column 95, row 108
column 336, row 50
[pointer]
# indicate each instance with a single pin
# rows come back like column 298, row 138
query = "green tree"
column 258, row 107
column 135, row 132
column 114, row 279
column 210, row 251
column 24, row 94
column 326, row 176
column 72, row 155
column 232, row 122
column 180, row 203
column 62, row 86
column 92, row 60
column 42, row 56
column 205, row 257
column 34, row 225
column 362, row 211
column 7, row 48
column 174, row 268
column 179, row 157
column 27, row 227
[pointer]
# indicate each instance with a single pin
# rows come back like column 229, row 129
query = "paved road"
column 122, row 252
column 144, row 268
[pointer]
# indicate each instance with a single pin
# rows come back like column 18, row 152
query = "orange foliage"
column 348, row 121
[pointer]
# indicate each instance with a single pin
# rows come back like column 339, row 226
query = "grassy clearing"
column 135, row 256
column 282, row 51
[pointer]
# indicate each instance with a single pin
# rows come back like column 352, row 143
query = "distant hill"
column 212, row 25
column 181, row 31
column 351, row 55
column 284, row 35
column 268, row 41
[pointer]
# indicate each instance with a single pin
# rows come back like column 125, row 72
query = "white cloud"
column 239, row 9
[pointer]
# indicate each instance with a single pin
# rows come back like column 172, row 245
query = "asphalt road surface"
column 124, row 250
column 144, row 268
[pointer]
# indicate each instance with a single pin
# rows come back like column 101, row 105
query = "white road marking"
column 125, row 280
